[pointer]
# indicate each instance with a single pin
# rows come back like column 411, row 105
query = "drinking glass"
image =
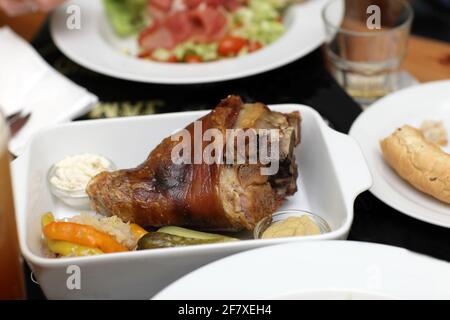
column 11, row 273
column 366, row 41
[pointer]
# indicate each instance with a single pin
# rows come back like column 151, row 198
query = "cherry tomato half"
column 254, row 46
column 193, row 58
column 144, row 54
column 172, row 59
column 231, row 45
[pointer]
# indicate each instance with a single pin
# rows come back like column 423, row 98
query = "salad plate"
column 326, row 270
column 97, row 47
column 410, row 106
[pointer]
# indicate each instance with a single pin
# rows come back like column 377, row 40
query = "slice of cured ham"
column 201, row 24
column 176, row 21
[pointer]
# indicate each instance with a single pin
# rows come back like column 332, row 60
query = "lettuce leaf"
column 127, row 17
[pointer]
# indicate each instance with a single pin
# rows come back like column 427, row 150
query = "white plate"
column 96, row 47
column 332, row 172
column 410, row 106
column 317, row 270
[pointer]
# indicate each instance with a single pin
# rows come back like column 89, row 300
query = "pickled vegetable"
column 83, row 235
column 64, row 248
column 155, row 240
column 68, row 249
column 46, row 219
column 188, row 233
column 138, row 231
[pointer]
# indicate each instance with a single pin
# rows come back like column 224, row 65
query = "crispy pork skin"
column 228, row 197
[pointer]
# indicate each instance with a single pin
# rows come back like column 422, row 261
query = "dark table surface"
column 432, row 19
column 304, row 81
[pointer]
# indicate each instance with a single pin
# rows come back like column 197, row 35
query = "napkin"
column 28, row 83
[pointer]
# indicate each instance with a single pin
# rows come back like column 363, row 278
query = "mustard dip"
column 292, row 227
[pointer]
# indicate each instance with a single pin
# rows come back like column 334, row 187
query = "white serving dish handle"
column 348, row 157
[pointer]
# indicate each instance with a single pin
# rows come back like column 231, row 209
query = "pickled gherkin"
column 155, row 240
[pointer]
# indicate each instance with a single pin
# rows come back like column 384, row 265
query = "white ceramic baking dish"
column 332, row 173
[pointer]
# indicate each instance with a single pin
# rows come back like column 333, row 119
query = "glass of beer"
column 11, row 273
column 366, row 43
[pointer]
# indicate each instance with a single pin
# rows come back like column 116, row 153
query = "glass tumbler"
column 366, row 42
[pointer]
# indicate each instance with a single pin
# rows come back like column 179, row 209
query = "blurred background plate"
column 411, row 106
column 336, row 270
column 96, row 47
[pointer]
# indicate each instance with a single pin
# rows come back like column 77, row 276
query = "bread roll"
column 420, row 162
